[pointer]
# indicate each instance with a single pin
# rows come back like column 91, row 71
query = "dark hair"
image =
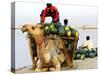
column 65, row 21
column 49, row 4
column 87, row 37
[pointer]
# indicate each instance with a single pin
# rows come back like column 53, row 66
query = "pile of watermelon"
column 85, row 53
column 52, row 28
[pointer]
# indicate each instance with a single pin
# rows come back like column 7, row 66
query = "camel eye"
column 24, row 26
column 33, row 28
column 41, row 27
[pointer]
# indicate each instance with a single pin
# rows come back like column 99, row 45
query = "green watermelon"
column 77, row 34
column 78, row 56
column 95, row 53
column 61, row 31
column 68, row 33
column 91, row 55
column 52, row 26
column 85, row 50
column 66, row 28
column 82, row 57
column 46, row 24
column 54, row 30
column 80, row 51
column 46, row 29
column 74, row 33
column 87, row 54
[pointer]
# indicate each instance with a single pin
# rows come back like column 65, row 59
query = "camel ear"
column 41, row 27
column 33, row 27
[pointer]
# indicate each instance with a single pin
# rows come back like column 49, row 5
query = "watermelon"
column 91, row 55
column 58, row 24
column 68, row 33
column 85, row 50
column 80, row 51
column 61, row 31
column 46, row 24
column 46, row 29
column 66, row 28
column 54, row 30
column 95, row 53
column 87, row 54
column 52, row 26
column 75, row 33
column 82, row 57
column 78, row 56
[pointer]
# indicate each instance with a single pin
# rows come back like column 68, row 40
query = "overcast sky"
column 28, row 12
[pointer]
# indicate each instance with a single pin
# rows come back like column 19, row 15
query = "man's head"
column 50, row 12
column 49, row 5
column 87, row 37
column 65, row 21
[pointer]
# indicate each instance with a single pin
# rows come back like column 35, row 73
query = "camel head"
column 36, row 31
column 26, row 28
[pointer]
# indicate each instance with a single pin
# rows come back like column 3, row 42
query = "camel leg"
column 73, row 52
column 31, row 53
column 56, row 64
column 56, row 68
column 40, row 67
column 75, row 47
column 67, row 55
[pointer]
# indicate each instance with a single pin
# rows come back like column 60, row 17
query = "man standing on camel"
column 50, row 11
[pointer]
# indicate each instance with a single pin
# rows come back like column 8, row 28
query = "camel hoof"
column 33, row 67
column 71, row 66
column 52, row 69
column 37, row 70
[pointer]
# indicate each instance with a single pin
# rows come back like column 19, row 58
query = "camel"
column 49, row 55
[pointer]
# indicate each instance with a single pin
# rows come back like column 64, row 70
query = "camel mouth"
column 24, row 29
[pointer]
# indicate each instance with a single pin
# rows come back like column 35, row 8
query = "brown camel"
column 48, row 55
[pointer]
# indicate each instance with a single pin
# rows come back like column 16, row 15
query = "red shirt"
column 54, row 15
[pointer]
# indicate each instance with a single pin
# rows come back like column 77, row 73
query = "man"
column 51, row 11
column 88, row 43
column 86, row 49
